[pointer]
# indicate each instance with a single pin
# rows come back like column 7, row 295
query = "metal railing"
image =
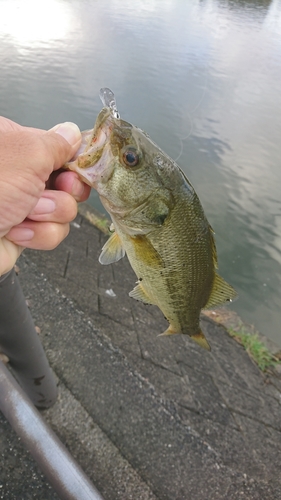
column 19, row 341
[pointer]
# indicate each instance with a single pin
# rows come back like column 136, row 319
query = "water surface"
column 201, row 77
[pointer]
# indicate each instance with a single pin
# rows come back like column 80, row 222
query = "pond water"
column 201, row 77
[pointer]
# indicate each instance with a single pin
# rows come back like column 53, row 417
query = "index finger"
column 7, row 125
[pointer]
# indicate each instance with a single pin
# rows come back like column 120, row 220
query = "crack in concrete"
column 66, row 265
column 239, row 412
column 137, row 334
column 262, row 422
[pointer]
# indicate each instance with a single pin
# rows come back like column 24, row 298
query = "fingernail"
column 21, row 234
column 44, row 206
column 69, row 131
column 77, row 188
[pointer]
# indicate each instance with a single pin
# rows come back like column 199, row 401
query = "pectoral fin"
column 222, row 292
column 138, row 293
column 145, row 251
column 112, row 251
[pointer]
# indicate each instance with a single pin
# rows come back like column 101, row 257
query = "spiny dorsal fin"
column 138, row 293
column 112, row 251
column 222, row 292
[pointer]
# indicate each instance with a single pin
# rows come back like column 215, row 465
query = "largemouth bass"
column 158, row 221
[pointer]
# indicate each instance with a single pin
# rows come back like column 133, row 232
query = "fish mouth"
column 87, row 142
column 91, row 162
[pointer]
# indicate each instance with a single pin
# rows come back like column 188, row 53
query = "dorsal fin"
column 213, row 247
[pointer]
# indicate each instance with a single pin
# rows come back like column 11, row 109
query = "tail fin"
column 199, row 337
column 201, row 340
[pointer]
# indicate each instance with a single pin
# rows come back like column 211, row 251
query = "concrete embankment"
column 146, row 417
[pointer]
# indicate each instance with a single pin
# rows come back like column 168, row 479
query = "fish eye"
column 131, row 157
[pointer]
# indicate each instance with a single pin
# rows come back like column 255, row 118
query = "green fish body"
column 158, row 222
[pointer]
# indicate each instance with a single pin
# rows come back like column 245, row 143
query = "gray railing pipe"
column 64, row 474
column 20, row 342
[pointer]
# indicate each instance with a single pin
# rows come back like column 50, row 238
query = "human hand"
column 37, row 200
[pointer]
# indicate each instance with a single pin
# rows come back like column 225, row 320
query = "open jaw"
column 93, row 158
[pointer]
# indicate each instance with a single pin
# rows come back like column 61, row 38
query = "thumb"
column 63, row 141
